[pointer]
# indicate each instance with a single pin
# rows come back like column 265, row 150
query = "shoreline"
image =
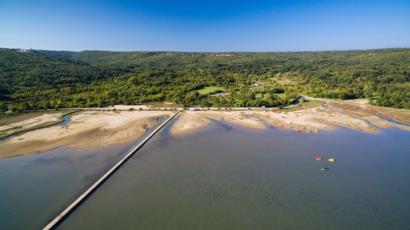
column 97, row 128
column 35, row 125
column 326, row 116
column 86, row 129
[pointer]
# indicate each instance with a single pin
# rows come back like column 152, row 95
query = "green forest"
column 37, row 79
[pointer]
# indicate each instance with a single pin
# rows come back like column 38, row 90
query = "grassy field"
column 211, row 90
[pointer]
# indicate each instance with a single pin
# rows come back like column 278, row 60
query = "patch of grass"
column 259, row 96
column 304, row 105
column 281, row 95
column 211, row 90
column 283, row 80
column 163, row 104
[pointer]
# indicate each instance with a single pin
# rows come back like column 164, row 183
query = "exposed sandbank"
column 86, row 129
column 103, row 127
column 34, row 121
column 190, row 121
column 324, row 116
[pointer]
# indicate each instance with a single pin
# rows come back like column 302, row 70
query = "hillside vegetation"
column 54, row 79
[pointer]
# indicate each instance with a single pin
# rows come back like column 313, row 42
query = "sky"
column 212, row 26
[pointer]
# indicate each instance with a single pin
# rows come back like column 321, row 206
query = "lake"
column 227, row 177
column 35, row 188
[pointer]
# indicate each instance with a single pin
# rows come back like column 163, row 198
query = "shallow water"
column 66, row 120
column 389, row 119
column 233, row 178
column 35, row 188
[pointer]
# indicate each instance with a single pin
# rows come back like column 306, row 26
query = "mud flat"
column 86, row 129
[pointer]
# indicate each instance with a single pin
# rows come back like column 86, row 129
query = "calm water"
column 232, row 178
column 37, row 187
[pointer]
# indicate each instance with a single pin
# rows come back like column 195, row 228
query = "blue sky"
column 222, row 25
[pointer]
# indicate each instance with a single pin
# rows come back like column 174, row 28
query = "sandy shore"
column 30, row 122
column 190, row 121
column 86, row 129
column 324, row 116
column 98, row 128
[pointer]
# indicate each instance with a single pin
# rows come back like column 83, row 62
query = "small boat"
column 324, row 169
column 331, row 160
column 318, row 158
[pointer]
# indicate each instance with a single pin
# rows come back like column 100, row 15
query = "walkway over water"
column 94, row 186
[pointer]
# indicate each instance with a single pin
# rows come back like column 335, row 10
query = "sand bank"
column 103, row 127
column 190, row 121
column 86, row 129
column 36, row 120
column 324, row 116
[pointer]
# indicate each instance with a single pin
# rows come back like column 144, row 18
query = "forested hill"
column 37, row 79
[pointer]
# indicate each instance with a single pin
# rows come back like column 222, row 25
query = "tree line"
column 52, row 79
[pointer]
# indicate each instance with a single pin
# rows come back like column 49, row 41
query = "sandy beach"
column 86, row 129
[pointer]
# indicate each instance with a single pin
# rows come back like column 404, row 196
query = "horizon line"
column 231, row 51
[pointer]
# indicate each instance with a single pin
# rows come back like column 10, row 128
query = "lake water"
column 227, row 177
column 35, row 188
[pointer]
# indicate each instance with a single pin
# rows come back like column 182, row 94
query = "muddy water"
column 227, row 177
